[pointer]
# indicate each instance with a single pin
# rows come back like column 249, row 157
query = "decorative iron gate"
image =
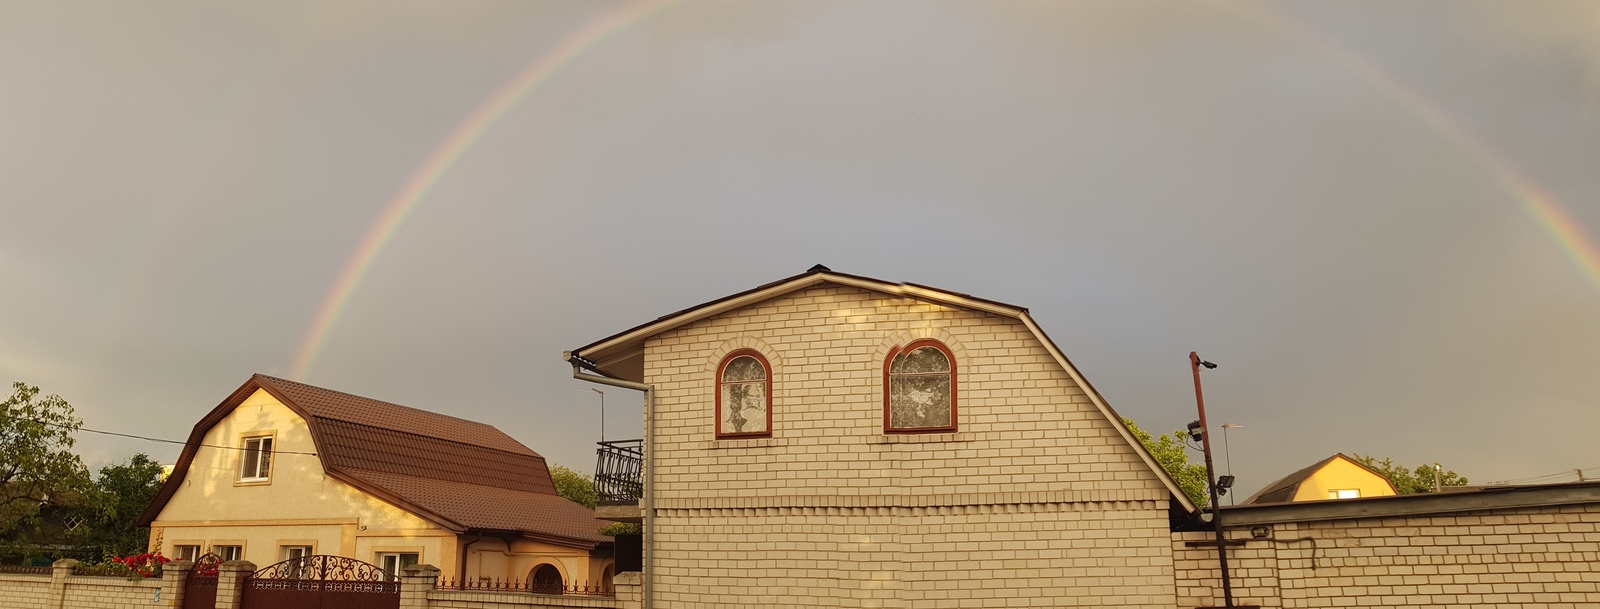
column 322, row 582
column 200, row 590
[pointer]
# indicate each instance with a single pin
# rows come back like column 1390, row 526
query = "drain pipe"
column 648, row 500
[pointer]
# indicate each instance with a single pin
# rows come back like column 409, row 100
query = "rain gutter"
column 647, row 501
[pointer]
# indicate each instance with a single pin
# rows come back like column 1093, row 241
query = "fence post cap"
column 65, row 563
column 420, row 571
column 238, row 565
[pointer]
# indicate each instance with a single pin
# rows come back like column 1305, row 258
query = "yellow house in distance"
column 282, row 470
column 1336, row 477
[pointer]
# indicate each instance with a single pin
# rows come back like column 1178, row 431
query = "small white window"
column 1349, row 493
column 293, row 552
column 185, row 552
column 393, row 562
column 227, row 553
column 255, row 461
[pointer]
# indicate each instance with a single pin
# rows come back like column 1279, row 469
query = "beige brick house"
column 839, row 441
column 281, row 470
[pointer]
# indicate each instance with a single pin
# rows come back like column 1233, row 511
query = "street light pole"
column 603, row 413
column 1227, row 455
column 1211, row 478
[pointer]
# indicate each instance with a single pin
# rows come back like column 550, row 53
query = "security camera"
column 1207, row 364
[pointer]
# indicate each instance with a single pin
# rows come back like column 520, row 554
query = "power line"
column 150, row 439
column 1578, row 472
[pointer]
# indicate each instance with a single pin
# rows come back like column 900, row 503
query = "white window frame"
column 1344, row 493
column 221, row 550
column 383, row 561
column 290, row 552
column 265, row 447
column 193, row 553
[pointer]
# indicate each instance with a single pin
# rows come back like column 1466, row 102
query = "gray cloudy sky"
column 1289, row 188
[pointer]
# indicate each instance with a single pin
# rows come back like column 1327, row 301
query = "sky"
column 1380, row 219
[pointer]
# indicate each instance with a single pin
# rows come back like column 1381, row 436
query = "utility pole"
column 1211, row 478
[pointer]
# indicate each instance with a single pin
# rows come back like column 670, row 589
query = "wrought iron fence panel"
column 320, row 581
column 529, row 586
column 618, row 471
column 200, row 590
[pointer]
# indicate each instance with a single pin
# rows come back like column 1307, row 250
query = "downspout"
column 648, row 500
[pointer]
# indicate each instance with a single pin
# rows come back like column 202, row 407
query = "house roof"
column 1468, row 499
column 1285, row 488
column 461, row 475
column 621, row 355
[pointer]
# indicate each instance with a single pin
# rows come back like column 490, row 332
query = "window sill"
column 920, row 438
column 746, row 443
column 263, row 482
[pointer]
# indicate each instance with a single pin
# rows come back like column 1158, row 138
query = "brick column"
column 174, row 580
column 630, row 589
column 230, row 583
column 59, row 570
column 416, row 582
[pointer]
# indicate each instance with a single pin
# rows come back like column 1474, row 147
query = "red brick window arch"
column 919, row 388
column 744, row 395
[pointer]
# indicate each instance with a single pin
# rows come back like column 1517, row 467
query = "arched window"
column 744, row 395
column 546, row 579
column 919, row 388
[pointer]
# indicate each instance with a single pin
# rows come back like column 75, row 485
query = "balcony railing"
column 618, row 474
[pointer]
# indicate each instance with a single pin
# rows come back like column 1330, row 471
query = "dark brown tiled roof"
column 352, row 446
column 340, row 406
column 459, row 474
column 486, row 507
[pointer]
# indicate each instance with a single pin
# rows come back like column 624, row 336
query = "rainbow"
column 400, row 208
column 1551, row 217
column 1555, row 220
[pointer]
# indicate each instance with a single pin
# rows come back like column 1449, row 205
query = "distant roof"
column 1285, row 488
column 458, row 474
column 1467, row 499
column 621, row 355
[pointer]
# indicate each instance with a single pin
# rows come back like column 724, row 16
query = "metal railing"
column 531, row 586
column 22, row 569
column 619, row 471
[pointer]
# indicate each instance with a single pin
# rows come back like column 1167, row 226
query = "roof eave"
column 629, row 342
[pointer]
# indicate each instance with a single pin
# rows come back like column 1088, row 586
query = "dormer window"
column 744, row 396
column 255, row 459
column 919, row 388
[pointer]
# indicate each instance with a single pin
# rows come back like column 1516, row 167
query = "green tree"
column 1170, row 451
column 1409, row 481
column 37, row 465
column 122, row 492
column 574, row 486
column 579, row 489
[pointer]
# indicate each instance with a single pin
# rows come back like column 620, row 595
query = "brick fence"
column 1545, row 557
column 60, row 589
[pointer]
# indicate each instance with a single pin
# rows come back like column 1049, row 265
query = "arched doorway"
column 606, row 576
column 546, row 579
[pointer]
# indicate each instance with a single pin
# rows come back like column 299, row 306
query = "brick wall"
column 110, row 593
column 1543, row 557
column 24, row 591
column 1036, row 496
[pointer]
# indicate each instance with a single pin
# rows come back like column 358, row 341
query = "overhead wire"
column 1561, row 474
column 150, row 439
